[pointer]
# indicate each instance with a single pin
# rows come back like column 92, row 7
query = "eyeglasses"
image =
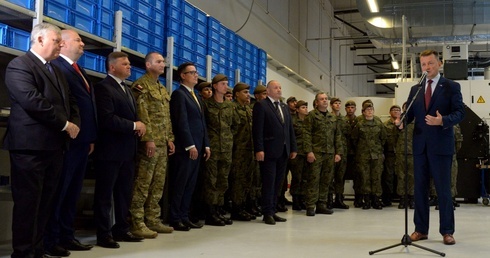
column 192, row 72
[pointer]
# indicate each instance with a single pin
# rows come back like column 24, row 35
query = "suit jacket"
column 269, row 133
column 116, row 139
column 85, row 100
column 41, row 104
column 446, row 99
column 188, row 122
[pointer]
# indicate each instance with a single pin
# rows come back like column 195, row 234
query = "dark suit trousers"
column 35, row 176
column 183, row 177
column 60, row 225
column 113, row 181
column 439, row 167
column 273, row 172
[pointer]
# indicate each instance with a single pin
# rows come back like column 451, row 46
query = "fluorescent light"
column 394, row 63
column 373, row 6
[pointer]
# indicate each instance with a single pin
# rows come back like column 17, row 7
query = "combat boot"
column 212, row 218
column 433, row 200
column 367, row 202
column 330, row 201
column 296, row 203
column 377, row 203
column 310, row 212
column 339, row 202
column 160, row 228
column 402, row 203
column 239, row 214
column 358, row 201
column 141, row 230
column 281, row 204
column 321, row 208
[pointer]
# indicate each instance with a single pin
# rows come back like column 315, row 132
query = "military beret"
column 301, row 103
column 394, row 106
column 292, row 98
column 229, row 90
column 240, row 86
column 367, row 105
column 203, row 85
column 333, row 100
column 350, row 103
column 259, row 89
column 367, row 101
column 219, row 77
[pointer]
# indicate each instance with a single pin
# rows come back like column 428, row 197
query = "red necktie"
column 428, row 94
column 75, row 66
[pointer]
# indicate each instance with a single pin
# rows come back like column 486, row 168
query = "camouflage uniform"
column 324, row 139
column 370, row 136
column 351, row 167
column 298, row 164
column 153, row 109
column 244, row 164
column 387, row 181
column 400, row 161
column 338, row 181
column 219, row 119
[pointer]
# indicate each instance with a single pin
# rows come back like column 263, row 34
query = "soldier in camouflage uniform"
column 400, row 164
column 153, row 109
column 323, row 145
column 204, row 89
column 219, row 118
column 244, row 164
column 298, row 164
column 369, row 136
column 387, row 178
column 351, row 167
column 337, row 187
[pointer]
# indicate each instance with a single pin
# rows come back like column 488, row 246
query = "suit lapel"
column 42, row 67
column 437, row 91
column 123, row 94
column 191, row 98
column 273, row 109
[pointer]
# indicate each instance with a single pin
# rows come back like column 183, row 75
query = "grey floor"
column 346, row 233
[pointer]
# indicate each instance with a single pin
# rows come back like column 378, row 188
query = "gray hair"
column 41, row 29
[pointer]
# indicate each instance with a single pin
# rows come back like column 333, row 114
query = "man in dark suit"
column 436, row 109
column 191, row 143
column 274, row 143
column 60, row 235
column 119, row 131
column 43, row 112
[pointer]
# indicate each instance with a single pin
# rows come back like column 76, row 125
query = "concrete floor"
column 346, row 233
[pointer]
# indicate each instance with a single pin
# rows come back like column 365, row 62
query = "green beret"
column 301, row 103
column 292, row 98
column 333, row 100
column 203, row 85
column 350, row 103
column 240, row 86
column 259, row 89
column 219, row 77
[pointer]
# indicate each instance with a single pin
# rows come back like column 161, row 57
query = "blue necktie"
column 50, row 68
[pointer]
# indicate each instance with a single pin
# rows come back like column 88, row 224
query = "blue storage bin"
column 28, row 4
column 214, row 34
column 159, row 4
column 201, row 69
column 141, row 20
column 188, row 32
column 143, row 35
column 158, row 42
column 106, row 16
column 127, row 40
column 108, row 4
column 214, row 45
column 186, row 55
column 57, row 11
column 143, row 8
column 201, row 16
column 3, row 34
column 200, row 48
column 187, row 43
column 127, row 11
column 174, row 26
column 124, row 2
column 174, row 13
column 87, row 8
column 105, row 31
column 215, row 54
column 89, row 61
column 175, row 3
column 201, row 28
column 198, row 37
column 188, row 20
column 159, row 16
column 18, row 39
column 214, row 24
column 85, row 23
column 102, row 64
column 200, row 60
column 188, row 9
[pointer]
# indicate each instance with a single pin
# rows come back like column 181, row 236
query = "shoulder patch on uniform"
column 138, row 88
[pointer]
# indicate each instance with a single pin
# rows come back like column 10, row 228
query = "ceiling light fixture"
column 373, row 6
column 394, row 63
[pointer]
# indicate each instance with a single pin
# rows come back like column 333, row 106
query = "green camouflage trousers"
column 298, row 177
column 242, row 176
column 371, row 170
column 319, row 175
column 400, row 173
column 148, row 185
column 216, row 171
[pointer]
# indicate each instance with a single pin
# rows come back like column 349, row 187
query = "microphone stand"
column 406, row 241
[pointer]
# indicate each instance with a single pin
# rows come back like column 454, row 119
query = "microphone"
column 422, row 78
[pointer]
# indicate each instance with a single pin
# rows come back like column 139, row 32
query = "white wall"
column 285, row 29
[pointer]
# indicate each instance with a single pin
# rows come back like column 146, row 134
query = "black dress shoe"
column 269, row 220
column 193, row 225
column 179, row 226
column 278, row 219
column 57, row 251
column 128, row 237
column 107, row 242
column 75, row 245
column 214, row 220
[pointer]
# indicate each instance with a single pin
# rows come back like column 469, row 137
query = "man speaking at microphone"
column 436, row 109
